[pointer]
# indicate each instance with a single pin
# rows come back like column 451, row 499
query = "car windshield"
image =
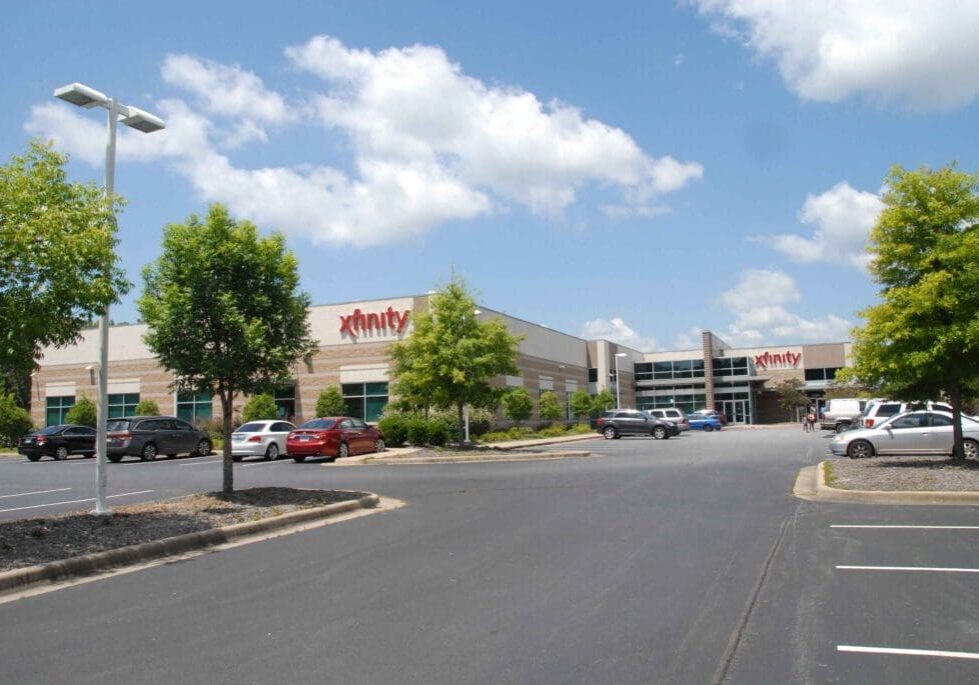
column 324, row 424
column 118, row 425
column 253, row 427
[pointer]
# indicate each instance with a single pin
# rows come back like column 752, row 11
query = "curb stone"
column 823, row 492
column 542, row 456
column 20, row 579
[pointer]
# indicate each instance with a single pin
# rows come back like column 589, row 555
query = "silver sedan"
column 916, row 432
column 260, row 439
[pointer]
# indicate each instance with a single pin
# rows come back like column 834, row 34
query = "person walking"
column 811, row 419
column 805, row 423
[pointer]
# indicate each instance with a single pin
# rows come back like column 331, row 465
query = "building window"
column 57, row 408
column 665, row 371
column 731, row 366
column 644, row 371
column 827, row 374
column 194, row 407
column 123, row 404
column 365, row 400
column 593, row 375
column 285, row 401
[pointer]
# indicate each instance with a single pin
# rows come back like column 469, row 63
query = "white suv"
column 877, row 411
column 674, row 415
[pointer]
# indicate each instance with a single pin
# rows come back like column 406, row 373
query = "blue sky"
column 637, row 173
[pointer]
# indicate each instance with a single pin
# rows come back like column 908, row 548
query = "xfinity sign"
column 389, row 321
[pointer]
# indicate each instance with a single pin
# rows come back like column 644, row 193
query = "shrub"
column 579, row 429
column 394, row 426
column 480, row 421
column 14, row 419
column 83, row 413
column 552, row 432
column 147, row 408
column 331, row 403
column 550, row 407
column 517, row 404
column 259, row 407
column 440, row 431
column 416, row 429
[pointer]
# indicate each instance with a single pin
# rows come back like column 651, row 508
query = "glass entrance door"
column 736, row 411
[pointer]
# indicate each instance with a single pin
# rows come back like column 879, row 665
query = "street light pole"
column 83, row 96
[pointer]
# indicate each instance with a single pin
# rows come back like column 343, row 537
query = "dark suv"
column 618, row 422
column 147, row 436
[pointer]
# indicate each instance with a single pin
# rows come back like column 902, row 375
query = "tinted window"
column 182, row 425
column 357, row 423
column 79, row 430
column 51, row 430
column 254, row 427
column 323, row 424
column 345, row 423
column 941, row 420
column 888, row 409
column 281, row 427
column 118, row 425
column 909, row 421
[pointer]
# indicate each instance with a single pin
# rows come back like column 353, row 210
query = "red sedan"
column 335, row 437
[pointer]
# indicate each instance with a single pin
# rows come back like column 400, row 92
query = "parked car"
column 674, row 415
column 713, row 412
column 333, row 436
column 842, row 413
column 877, row 411
column 58, row 442
column 615, row 423
column 148, row 436
column 705, row 422
column 265, row 438
column 916, row 432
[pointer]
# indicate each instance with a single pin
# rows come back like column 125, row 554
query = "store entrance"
column 736, row 411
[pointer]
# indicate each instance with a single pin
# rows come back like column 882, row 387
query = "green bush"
column 440, row 431
column 552, row 432
column 480, row 421
column 517, row 404
column 494, row 436
column 331, row 403
column 416, row 429
column 579, row 429
column 83, row 413
column 14, row 419
column 394, row 426
column 147, row 408
column 259, row 407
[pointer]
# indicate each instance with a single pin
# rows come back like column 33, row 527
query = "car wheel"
column 841, row 427
column 204, row 448
column 61, row 453
column 379, row 446
column 610, row 432
column 343, row 451
column 149, row 452
column 660, row 433
column 115, row 458
column 970, row 448
column 860, row 449
column 708, row 428
column 272, row 453
column 299, row 458
column 33, row 457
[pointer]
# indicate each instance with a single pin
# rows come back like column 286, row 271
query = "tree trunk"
column 955, row 395
column 228, row 463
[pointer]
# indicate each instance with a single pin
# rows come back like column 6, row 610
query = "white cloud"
column 617, row 331
column 429, row 145
column 921, row 53
column 689, row 340
column 842, row 218
column 758, row 302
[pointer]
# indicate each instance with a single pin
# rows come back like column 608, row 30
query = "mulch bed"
column 936, row 473
column 27, row 542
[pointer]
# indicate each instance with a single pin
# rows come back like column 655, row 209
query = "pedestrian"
column 805, row 423
column 811, row 419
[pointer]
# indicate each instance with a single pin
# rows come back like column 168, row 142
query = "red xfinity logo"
column 360, row 322
column 781, row 359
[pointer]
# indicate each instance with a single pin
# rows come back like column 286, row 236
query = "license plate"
column 303, row 438
column 237, row 438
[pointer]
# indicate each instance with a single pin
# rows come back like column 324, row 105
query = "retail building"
column 353, row 339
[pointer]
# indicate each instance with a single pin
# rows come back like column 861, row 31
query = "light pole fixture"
column 618, row 402
column 83, row 96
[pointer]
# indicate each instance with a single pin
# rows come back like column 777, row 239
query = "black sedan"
column 58, row 442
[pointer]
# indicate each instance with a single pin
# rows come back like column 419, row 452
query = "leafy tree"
column 550, row 407
column 15, row 421
column 603, row 401
column 83, row 412
column 517, row 404
column 451, row 357
column 922, row 340
column 224, row 312
column 57, row 260
column 259, row 407
column 331, row 403
column 581, row 403
column 147, row 408
column 791, row 393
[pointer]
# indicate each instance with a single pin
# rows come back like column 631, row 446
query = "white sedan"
column 260, row 439
column 916, row 432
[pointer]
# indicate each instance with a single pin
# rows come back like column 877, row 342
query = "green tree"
column 259, row 407
column 581, row 403
column 603, row 401
column 331, row 403
column 224, row 311
column 451, row 357
column 791, row 393
column 15, row 421
column 517, row 404
column 922, row 340
column 147, row 408
column 550, row 407
column 83, row 412
column 57, row 260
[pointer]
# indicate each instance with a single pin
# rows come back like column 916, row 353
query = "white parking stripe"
column 75, row 501
column 265, row 463
column 908, row 568
column 202, row 463
column 912, row 527
column 36, row 492
column 910, row 652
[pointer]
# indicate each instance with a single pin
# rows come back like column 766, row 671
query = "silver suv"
column 674, row 415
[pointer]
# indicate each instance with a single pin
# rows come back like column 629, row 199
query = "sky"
column 639, row 171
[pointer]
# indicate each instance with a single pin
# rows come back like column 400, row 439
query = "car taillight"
column 255, row 438
column 121, row 436
column 600, row 422
column 42, row 440
column 868, row 423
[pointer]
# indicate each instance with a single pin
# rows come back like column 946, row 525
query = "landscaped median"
column 56, row 548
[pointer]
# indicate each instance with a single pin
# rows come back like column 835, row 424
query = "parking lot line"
column 202, row 463
column 36, row 492
column 278, row 462
column 909, row 652
column 908, row 568
column 910, row 527
column 74, row 501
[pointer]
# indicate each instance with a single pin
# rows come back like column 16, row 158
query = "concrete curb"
column 824, row 492
column 543, row 456
column 23, row 578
